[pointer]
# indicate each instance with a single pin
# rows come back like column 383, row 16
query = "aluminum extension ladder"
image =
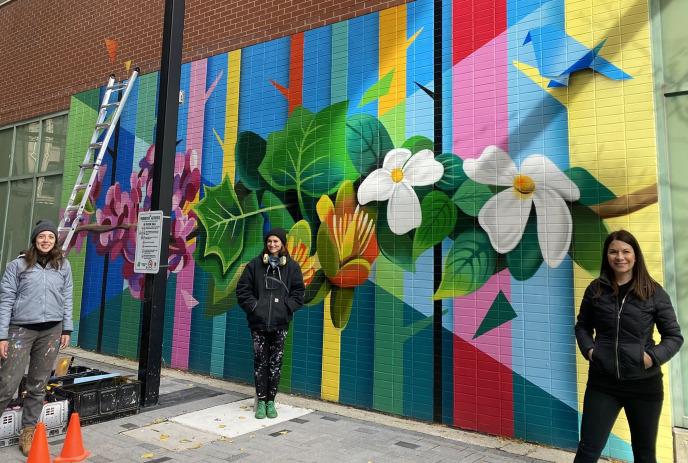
column 108, row 116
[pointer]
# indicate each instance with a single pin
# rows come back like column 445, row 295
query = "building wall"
column 303, row 131
column 52, row 50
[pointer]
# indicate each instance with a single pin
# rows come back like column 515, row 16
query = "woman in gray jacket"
column 35, row 321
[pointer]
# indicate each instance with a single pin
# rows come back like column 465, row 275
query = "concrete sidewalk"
column 201, row 419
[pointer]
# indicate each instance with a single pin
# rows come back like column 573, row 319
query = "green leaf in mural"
column 591, row 190
column 223, row 220
column 418, row 143
column 453, row 176
column 501, row 311
column 277, row 212
column 525, row 259
column 439, row 219
column 340, row 306
column 317, row 289
column 589, row 233
column 250, row 151
column 378, row 89
column 367, row 142
column 397, row 248
column 468, row 265
column 472, row 196
column 309, row 155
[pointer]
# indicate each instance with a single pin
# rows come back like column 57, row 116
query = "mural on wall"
column 335, row 134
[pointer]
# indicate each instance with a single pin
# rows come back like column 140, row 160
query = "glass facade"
column 31, row 162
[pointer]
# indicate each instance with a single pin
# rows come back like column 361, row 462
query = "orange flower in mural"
column 347, row 246
column 299, row 247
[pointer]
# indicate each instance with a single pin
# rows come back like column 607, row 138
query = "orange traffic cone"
column 39, row 452
column 73, row 449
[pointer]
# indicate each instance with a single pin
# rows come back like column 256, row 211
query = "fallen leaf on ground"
column 164, row 436
column 148, row 455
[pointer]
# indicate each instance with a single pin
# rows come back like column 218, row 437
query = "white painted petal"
column 422, row 169
column 377, row 186
column 545, row 172
column 403, row 210
column 493, row 167
column 504, row 218
column 396, row 159
column 554, row 226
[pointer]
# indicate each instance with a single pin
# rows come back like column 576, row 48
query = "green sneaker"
column 271, row 411
column 260, row 410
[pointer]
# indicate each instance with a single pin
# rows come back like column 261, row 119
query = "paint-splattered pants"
column 39, row 350
column 268, row 349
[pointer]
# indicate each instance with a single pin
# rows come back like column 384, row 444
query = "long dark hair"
column 642, row 284
column 53, row 258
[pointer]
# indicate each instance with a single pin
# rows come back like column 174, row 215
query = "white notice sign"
column 148, row 234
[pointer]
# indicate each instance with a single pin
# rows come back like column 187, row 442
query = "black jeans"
column 600, row 410
column 268, row 350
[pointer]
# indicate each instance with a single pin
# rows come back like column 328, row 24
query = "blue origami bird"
column 557, row 55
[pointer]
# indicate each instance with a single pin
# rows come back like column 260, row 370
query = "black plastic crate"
column 103, row 399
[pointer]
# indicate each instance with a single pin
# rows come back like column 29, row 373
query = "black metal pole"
column 150, row 353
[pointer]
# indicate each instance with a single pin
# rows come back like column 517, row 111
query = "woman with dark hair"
column 621, row 309
column 35, row 321
column 270, row 290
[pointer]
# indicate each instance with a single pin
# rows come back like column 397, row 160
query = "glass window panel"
column 26, row 149
column 18, row 228
column 3, row 208
column 48, row 195
column 5, row 151
column 53, row 144
column 674, row 44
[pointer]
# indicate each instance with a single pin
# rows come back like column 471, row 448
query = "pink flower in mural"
column 120, row 208
column 401, row 171
column 539, row 183
column 181, row 251
column 187, row 178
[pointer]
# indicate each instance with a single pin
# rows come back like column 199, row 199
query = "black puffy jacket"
column 270, row 296
column 624, row 331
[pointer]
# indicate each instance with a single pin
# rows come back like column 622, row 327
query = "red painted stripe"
column 483, row 391
column 295, row 97
column 474, row 23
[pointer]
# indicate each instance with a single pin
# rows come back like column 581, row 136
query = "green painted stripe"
column 340, row 62
column 83, row 113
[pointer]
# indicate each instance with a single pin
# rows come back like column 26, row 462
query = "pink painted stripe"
column 184, row 301
column 480, row 110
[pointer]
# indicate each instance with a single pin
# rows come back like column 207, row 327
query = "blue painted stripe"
column 317, row 68
column 363, row 61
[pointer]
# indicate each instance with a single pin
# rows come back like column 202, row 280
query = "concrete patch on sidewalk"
column 172, row 436
column 236, row 418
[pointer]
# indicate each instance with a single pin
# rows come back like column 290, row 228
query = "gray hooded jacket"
column 35, row 295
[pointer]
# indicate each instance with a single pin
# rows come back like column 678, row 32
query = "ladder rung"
column 117, row 87
column 89, row 165
column 104, row 125
column 63, row 229
column 110, row 105
column 96, row 145
column 81, row 186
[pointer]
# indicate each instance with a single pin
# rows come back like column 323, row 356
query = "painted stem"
column 627, row 204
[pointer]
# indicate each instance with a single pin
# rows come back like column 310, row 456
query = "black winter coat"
column 270, row 296
column 624, row 331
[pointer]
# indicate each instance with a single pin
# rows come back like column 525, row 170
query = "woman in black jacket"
column 270, row 290
column 621, row 308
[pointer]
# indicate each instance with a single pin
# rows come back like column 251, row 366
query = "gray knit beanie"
column 41, row 226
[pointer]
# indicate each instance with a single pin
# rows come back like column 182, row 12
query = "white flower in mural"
column 539, row 182
column 400, row 172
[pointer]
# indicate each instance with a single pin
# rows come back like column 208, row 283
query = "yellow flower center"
column 524, row 184
column 397, row 175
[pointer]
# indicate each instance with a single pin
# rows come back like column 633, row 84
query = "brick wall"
column 51, row 50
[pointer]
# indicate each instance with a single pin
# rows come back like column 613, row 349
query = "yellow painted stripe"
column 611, row 134
column 392, row 56
column 331, row 345
column 231, row 114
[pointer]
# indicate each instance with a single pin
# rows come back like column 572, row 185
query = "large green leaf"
column 439, row 219
column 377, row 90
column 277, row 211
column 223, row 220
column 472, row 196
column 418, row 143
column 453, row 176
column 250, row 151
column 589, row 233
column 468, row 265
column 397, row 248
column 340, row 306
column 328, row 255
column 309, row 155
column 367, row 142
column 317, row 289
column 591, row 190
column 525, row 259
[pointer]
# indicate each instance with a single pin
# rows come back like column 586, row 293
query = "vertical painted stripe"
column 339, row 62
column 392, row 56
column 231, row 114
column 317, row 68
column 331, row 348
column 363, row 35
column 474, row 26
column 185, row 278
